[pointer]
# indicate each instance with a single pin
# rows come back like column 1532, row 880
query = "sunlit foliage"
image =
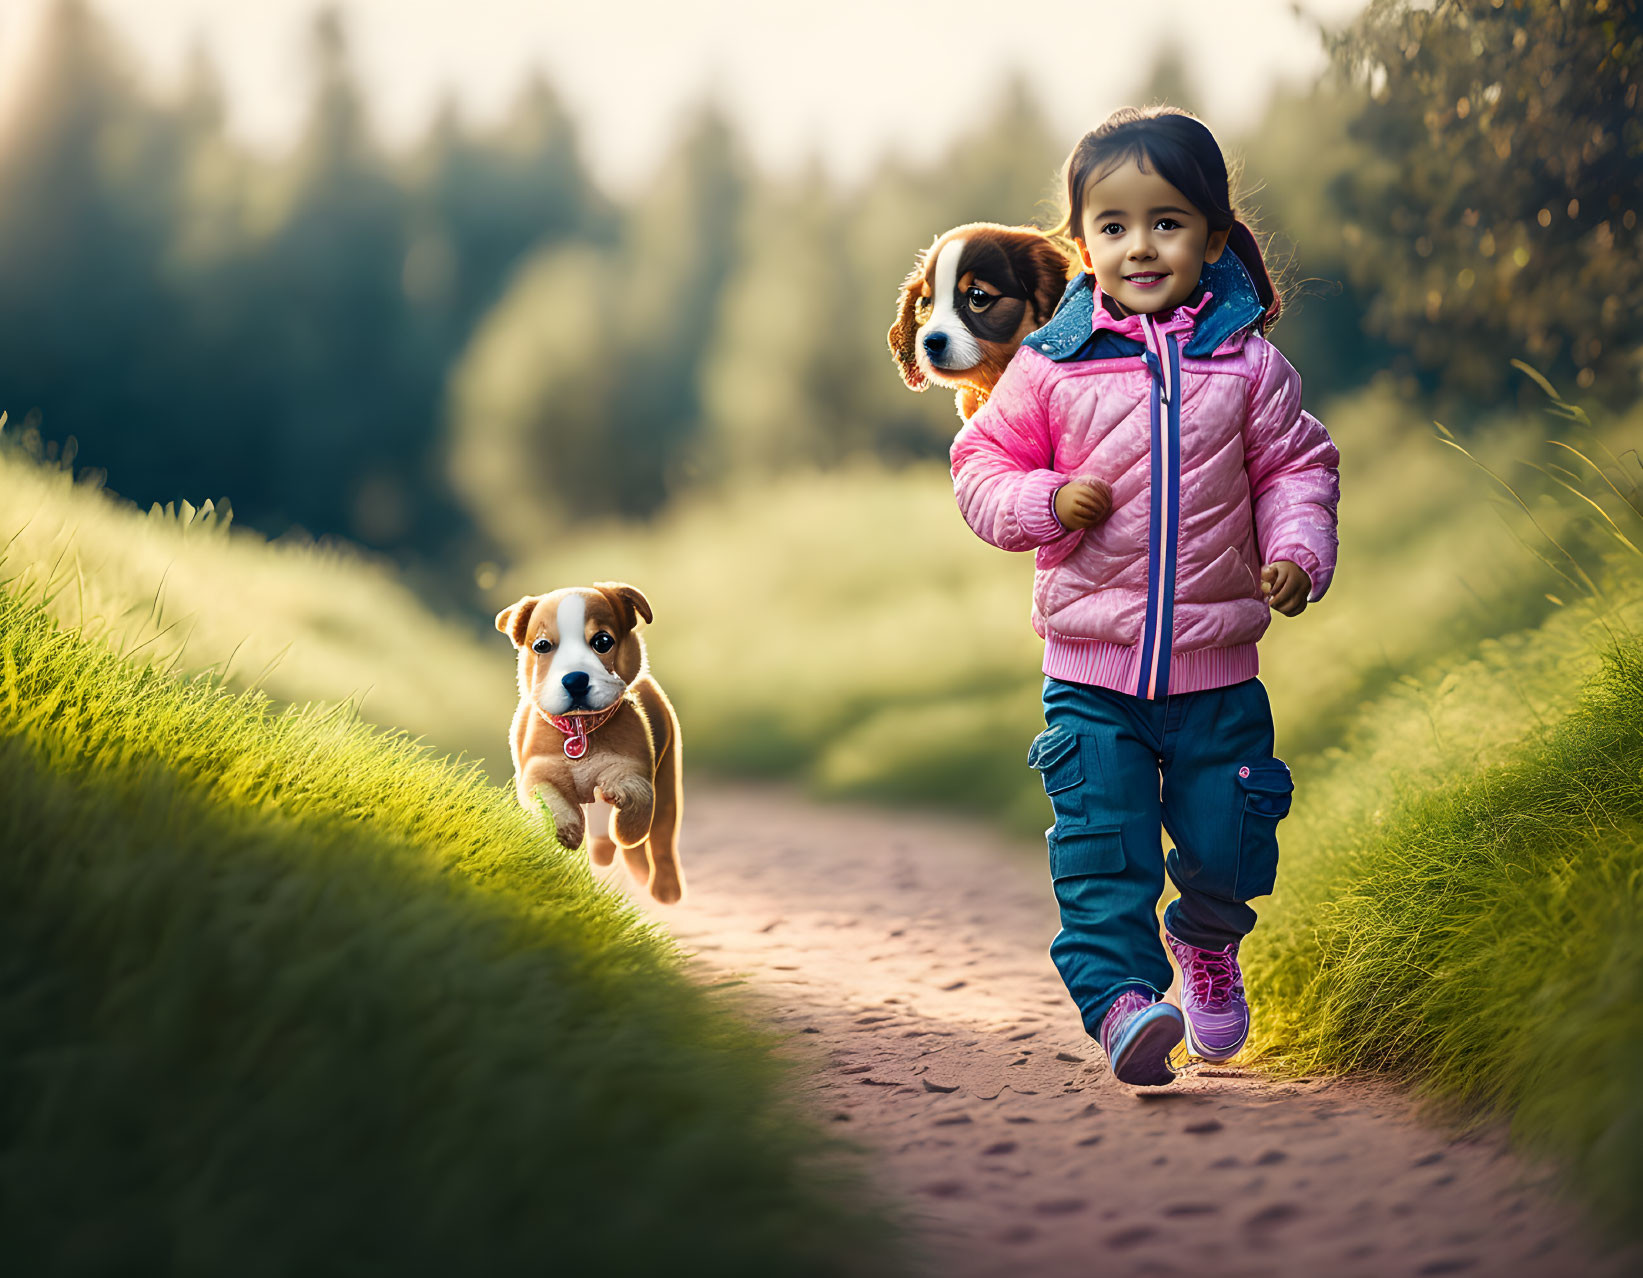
column 189, row 591
column 284, row 993
column 1495, row 211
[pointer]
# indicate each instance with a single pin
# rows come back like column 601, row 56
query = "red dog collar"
column 576, row 727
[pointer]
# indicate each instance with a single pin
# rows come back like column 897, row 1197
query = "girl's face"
column 1143, row 241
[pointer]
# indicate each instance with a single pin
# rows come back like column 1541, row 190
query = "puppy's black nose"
column 576, row 683
column 934, row 344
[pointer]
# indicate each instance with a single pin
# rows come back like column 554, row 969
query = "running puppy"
column 593, row 727
column 972, row 297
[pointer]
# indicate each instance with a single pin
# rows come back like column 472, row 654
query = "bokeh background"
column 327, row 332
column 515, row 295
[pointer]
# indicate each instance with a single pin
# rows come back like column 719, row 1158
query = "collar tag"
column 576, row 727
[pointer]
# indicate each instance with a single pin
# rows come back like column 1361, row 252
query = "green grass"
column 1457, row 902
column 1461, row 898
column 1483, row 938
column 282, row 994
column 304, row 622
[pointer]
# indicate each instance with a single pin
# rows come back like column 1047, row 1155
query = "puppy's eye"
column 980, row 299
column 921, row 312
column 602, row 642
column 541, row 645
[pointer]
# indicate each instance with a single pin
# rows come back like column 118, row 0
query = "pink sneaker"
column 1212, row 996
column 1138, row 1033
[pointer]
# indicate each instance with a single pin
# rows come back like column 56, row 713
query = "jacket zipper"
column 1155, row 349
column 1163, row 362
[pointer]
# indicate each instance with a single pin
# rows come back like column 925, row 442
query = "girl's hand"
column 1083, row 503
column 1285, row 587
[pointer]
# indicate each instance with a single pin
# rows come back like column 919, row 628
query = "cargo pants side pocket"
column 1267, row 788
column 1056, row 754
column 1078, row 849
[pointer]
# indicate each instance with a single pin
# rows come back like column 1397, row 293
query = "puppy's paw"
column 567, row 824
column 602, row 849
column 565, row 818
column 667, row 889
column 634, row 792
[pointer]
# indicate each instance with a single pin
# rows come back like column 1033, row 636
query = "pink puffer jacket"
column 1196, row 422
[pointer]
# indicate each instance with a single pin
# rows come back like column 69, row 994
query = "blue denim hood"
column 1234, row 306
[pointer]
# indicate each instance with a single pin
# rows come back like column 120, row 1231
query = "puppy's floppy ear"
column 515, row 619
column 629, row 601
column 905, row 330
column 1044, row 267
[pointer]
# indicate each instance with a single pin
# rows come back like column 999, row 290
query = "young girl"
column 1149, row 444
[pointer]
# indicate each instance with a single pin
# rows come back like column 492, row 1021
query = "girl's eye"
column 1111, row 228
column 980, row 299
column 541, row 646
column 1167, row 224
column 602, row 642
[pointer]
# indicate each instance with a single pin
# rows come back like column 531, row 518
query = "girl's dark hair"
column 1180, row 148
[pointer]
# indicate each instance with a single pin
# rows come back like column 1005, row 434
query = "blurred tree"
column 351, row 412
column 91, row 181
column 1496, row 213
column 681, row 251
column 485, row 200
column 581, row 392
column 1008, row 168
column 531, row 399
column 1170, row 83
column 1286, row 165
column 207, row 321
column 399, row 348
column 780, row 383
column 750, row 338
column 798, row 373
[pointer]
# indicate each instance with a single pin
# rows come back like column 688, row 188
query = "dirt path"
column 908, row 957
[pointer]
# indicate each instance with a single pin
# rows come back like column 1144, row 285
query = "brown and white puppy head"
column 579, row 647
column 972, row 297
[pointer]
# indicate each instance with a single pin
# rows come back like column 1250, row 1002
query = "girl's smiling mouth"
column 1147, row 279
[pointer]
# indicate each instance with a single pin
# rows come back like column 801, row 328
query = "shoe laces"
column 1212, row 975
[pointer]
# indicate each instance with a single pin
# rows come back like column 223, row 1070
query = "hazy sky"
column 848, row 79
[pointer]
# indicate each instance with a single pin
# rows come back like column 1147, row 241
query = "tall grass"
column 1445, row 896
column 182, row 589
column 279, row 993
column 1481, row 934
column 1462, row 900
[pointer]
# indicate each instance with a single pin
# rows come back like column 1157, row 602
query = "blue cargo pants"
column 1116, row 767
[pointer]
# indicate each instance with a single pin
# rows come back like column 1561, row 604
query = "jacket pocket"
column 1078, row 853
column 1227, row 577
column 1056, row 753
column 1267, row 787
